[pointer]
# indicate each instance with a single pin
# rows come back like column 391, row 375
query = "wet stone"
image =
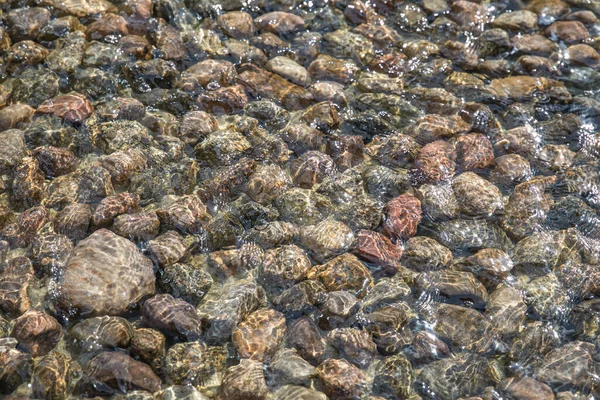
column 474, row 151
column 327, row 68
column 344, row 272
column 568, row 31
column 111, row 372
column 194, row 363
column 300, row 298
column 304, row 335
column 464, row 328
column 436, row 162
column 490, row 266
column 149, row 346
column 54, row 161
column 112, row 206
column 510, row 169
column 180, row 392
column 28, row 182
column 425, row 254
column 438, row 202
column 378, row 249
column 427, row 347
column 13, row 147
column 279, row 22
column 14, row 116
column 287, row 368
column 471, row 234
column 237, row 24
column 15, row 281
column 141, row 226
column 173, row 316
column 337, row 308
column 245, row 381
column 465, row 375
column 506, row 309
column 258, row 336
column 353, row 344
column 570, row 364
column 27, row 225
column 38, row 333
column 475, row 195
column 341, row 379
column 267, row 183
column 326, row 239
column 284, row 266
column 289, row 69
column 525, row 388
column 221, row 315
column 50, row 252
column 24, row 53
column 454, row 286
column 52, row 376
column 73, row 107
column 35, row 86
column 16, row 369
column 101, row 332
column 167, row 249
column 86, row 273
column 402, row 216
column 519, row 21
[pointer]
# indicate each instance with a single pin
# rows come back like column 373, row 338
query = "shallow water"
column 299, row 200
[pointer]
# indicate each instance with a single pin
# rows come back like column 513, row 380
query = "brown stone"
column 72, row 107
column 344, row 272
column 112, row 372
column 113, row 206
column 55, row 161
column 258, row 336
column 436, row 162
column 402, row 216
column 341, row 379
column 279, row 22
column 107, row 24
column 474, row 151
column 37, row 332
column 569, row 32
column 14, row 285
column 378, row 249
column 245, row 381
column 237, row 24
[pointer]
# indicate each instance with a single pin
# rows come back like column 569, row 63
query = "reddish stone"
column 402, row 216
column 72, row 107
column 378, row 249
column 436, row 162
column 474, row 151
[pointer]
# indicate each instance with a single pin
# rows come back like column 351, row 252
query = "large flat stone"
column 105, row 275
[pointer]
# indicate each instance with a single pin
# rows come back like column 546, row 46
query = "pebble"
column 245, row 381
column 112, row 372
column 15, row 280
column 279, row 22
column 150, row 346
column 37, row 332
column 402, row 216
column 102, row 332
column 172, row 316
column 258, row 336
column 568, row 31
column 72, row 107
column 341, row 379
